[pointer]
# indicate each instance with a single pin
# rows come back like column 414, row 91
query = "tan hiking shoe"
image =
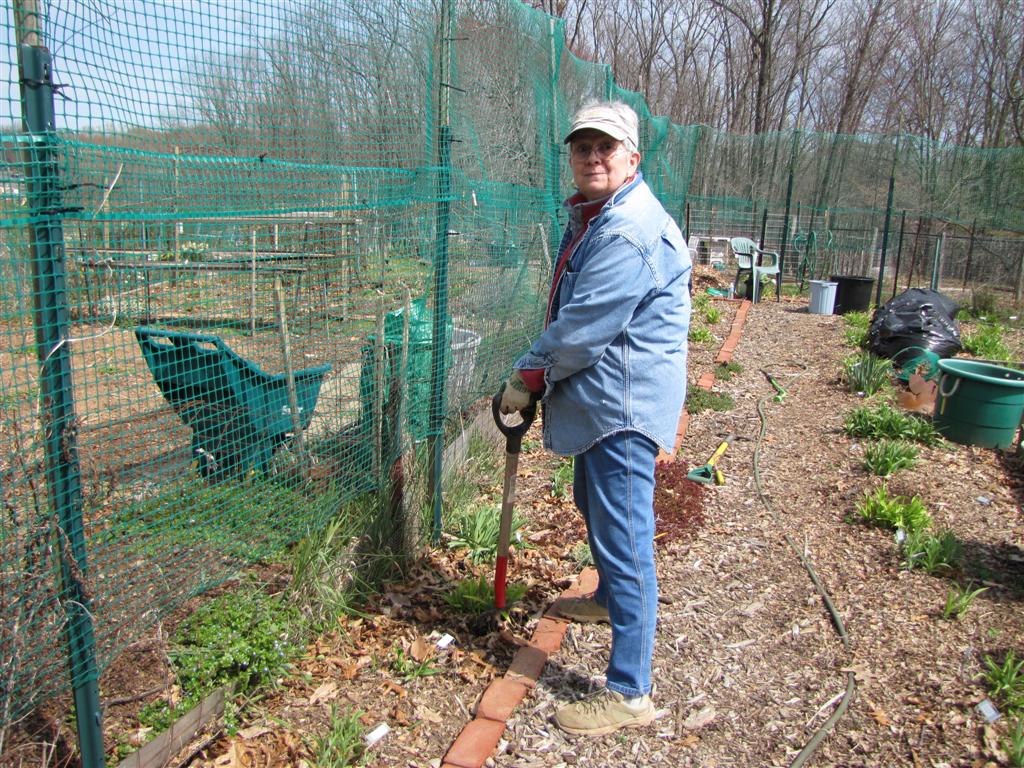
column 604, row 712
column 582, row 609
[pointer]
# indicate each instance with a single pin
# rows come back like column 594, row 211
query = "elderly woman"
column 610, row 366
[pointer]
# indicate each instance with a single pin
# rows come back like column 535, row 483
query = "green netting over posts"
column 233, row 234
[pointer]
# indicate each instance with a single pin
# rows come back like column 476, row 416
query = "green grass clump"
column 477, row 528
column 712, row 315
column 986, row 342
column 409, row 668
column 331, row 572
column 855, row 329
column 932, row 553
column 867, row 373
column 476, row 596
column 883, row 421
column 886, row 457
column 983, row 303
column 562, row 478
column 581, row 554
column 959, row 599
column 1005, row 680
column 343, row 743
column 699, row 399
column 700, row 334
column 725, row 371
column 896, row 512
column 1014, row 744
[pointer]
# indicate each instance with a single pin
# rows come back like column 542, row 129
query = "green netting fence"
column 255, row 253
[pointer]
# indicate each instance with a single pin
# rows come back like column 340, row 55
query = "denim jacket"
column 614, row 352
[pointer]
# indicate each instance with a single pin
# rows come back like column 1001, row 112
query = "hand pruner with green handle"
column 513, row 444
column 710, row 473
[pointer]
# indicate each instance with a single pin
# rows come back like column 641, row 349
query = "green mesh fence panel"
column 298, row 240
column 835, row 189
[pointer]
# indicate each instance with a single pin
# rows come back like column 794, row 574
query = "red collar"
column 588, row 209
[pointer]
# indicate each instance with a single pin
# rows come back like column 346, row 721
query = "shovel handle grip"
column 513, row 433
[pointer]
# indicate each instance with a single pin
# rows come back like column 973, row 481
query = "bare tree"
column 996, row 29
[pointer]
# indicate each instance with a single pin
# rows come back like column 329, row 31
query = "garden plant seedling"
column 885, row 457
column 959, row 599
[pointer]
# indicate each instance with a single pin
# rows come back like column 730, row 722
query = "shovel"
column 513, row 444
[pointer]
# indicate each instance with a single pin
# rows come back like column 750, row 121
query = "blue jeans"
column 614, row 489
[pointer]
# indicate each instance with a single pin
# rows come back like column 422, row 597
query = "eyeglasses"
column 581, row 150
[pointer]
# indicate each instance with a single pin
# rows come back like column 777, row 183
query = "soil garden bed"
column 748, row 663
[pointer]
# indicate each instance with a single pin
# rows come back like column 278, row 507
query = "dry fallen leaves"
column 328, row 691
column 420, row 649
column 702, row 717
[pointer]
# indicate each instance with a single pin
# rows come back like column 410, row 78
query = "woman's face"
column 600, row 164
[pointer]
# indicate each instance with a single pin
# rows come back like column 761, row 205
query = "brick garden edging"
column 480, row 737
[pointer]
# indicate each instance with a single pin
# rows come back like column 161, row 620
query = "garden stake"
column 513, row 444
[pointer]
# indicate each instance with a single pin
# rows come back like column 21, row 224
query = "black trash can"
column 853, row 294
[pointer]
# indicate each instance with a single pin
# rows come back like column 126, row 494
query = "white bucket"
column 460, row 375
column 823, row 297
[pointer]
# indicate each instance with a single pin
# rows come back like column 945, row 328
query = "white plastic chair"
column 757, row 261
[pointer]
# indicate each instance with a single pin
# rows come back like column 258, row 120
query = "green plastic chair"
column 758, row 262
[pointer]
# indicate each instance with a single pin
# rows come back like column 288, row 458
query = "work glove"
column 515, row 396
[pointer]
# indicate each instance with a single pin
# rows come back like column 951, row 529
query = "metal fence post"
column 444, row 191
column 552, row 162
column 940, row 245
column 57, row 407
column 888, row 218
column 789, row 200
column 899, row 252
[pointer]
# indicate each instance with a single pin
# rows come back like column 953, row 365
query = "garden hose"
column 837, row 621
column 780, row 393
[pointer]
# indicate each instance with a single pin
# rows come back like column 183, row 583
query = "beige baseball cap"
column 613, row 118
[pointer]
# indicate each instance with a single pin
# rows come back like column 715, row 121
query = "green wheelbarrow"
column 239, row 414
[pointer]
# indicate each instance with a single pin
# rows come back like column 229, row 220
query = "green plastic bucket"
column 979, row 403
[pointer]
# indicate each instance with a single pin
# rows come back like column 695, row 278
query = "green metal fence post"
column 940, row 245
column 57, row 411
column 970, row 254
column 552, row 164
column 899, row 252
column 443, row 219
column 888, row 218
column 789, row 201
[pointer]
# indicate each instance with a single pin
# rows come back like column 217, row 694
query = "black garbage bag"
column 918, row 317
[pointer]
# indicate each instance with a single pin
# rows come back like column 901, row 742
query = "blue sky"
column 128, row 62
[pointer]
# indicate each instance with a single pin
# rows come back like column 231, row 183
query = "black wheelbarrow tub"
column 238, row 413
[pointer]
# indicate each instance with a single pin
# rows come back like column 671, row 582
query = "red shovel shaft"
column 508, row 496
column 513, row 443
